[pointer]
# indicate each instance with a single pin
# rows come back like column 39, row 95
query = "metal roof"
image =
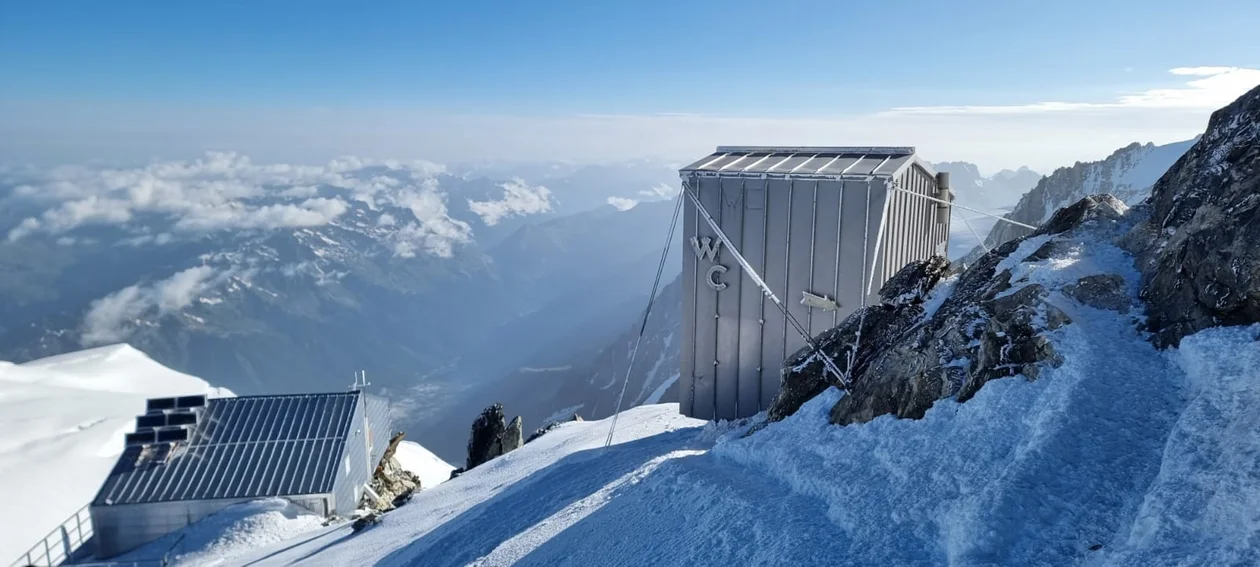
column 244, row 447
column 806, row 161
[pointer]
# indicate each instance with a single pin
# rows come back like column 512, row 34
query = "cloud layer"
column 226, row 191
column 116, row 316
column 518, row 199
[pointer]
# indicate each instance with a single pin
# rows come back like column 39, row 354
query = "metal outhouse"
column 190, row 457
column 823, row 227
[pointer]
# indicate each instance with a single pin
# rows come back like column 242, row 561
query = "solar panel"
column 242, row 448
column 181, row 418
column 172, row 435
column 150, row 420
column 155, row 404
column 140, row 438
column 190, row 401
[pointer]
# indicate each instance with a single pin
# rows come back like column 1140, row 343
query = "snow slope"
column 1122, row 455
column 62, row 421
column 431, row 469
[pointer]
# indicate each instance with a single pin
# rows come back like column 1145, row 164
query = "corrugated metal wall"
column 801, row 235
column 352, row 471
column 914, row 228
column 365, row 445
column 382, row 426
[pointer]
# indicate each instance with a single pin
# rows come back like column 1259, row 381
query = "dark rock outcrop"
column 1199, row 250
column 513, row 436
column 486, row 440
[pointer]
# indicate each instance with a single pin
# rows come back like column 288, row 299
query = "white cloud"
column 518, row 199
column 114, row 317
column 622, row 203
column 434, row 231
column 1215, row 87
column 660, row 191
column 218, row 191
column 235, row 215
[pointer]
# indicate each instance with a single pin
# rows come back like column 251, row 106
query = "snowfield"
column 1123, row 455
column 430, row 468
column 62, row 421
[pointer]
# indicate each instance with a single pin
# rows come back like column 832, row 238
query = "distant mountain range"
column 1128, row 174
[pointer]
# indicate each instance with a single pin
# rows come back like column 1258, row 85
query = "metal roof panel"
column 827, row 161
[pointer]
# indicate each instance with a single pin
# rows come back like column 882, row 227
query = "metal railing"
column 60, row 545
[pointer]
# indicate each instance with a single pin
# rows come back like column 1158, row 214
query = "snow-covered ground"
column 1122, row 455
column 62, row 421
column 431, row 469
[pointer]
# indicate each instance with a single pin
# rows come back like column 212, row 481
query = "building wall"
column 352, row 472
column 119, row 529
column 366, row 441
column 915, row 228
column 799, row 235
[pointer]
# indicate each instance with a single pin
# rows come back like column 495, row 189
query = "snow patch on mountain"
column 429, row 468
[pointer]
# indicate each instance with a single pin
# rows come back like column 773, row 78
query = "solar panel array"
column 803, row 161
column 243, row 448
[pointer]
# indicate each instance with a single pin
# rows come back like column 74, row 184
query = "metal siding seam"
column 929, row 222
column 787, row 260
column 717, row 310
column 835, row 315
column 695, row 295
column 813, row 243
column 879, row 236
column 761, row 317
column 739, row 296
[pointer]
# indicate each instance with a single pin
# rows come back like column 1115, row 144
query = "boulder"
column 512, row 437
column 1103, row 291
column 1199, row 247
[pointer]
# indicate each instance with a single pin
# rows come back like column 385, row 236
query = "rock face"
column 513, row 436
column 1199, row 250
column 1127, row 174
column 983, row 324
column 486, row 440
column 491, row 436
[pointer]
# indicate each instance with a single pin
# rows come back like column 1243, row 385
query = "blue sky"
column 454, row 67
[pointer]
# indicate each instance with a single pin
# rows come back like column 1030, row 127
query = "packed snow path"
column 1122, row 455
